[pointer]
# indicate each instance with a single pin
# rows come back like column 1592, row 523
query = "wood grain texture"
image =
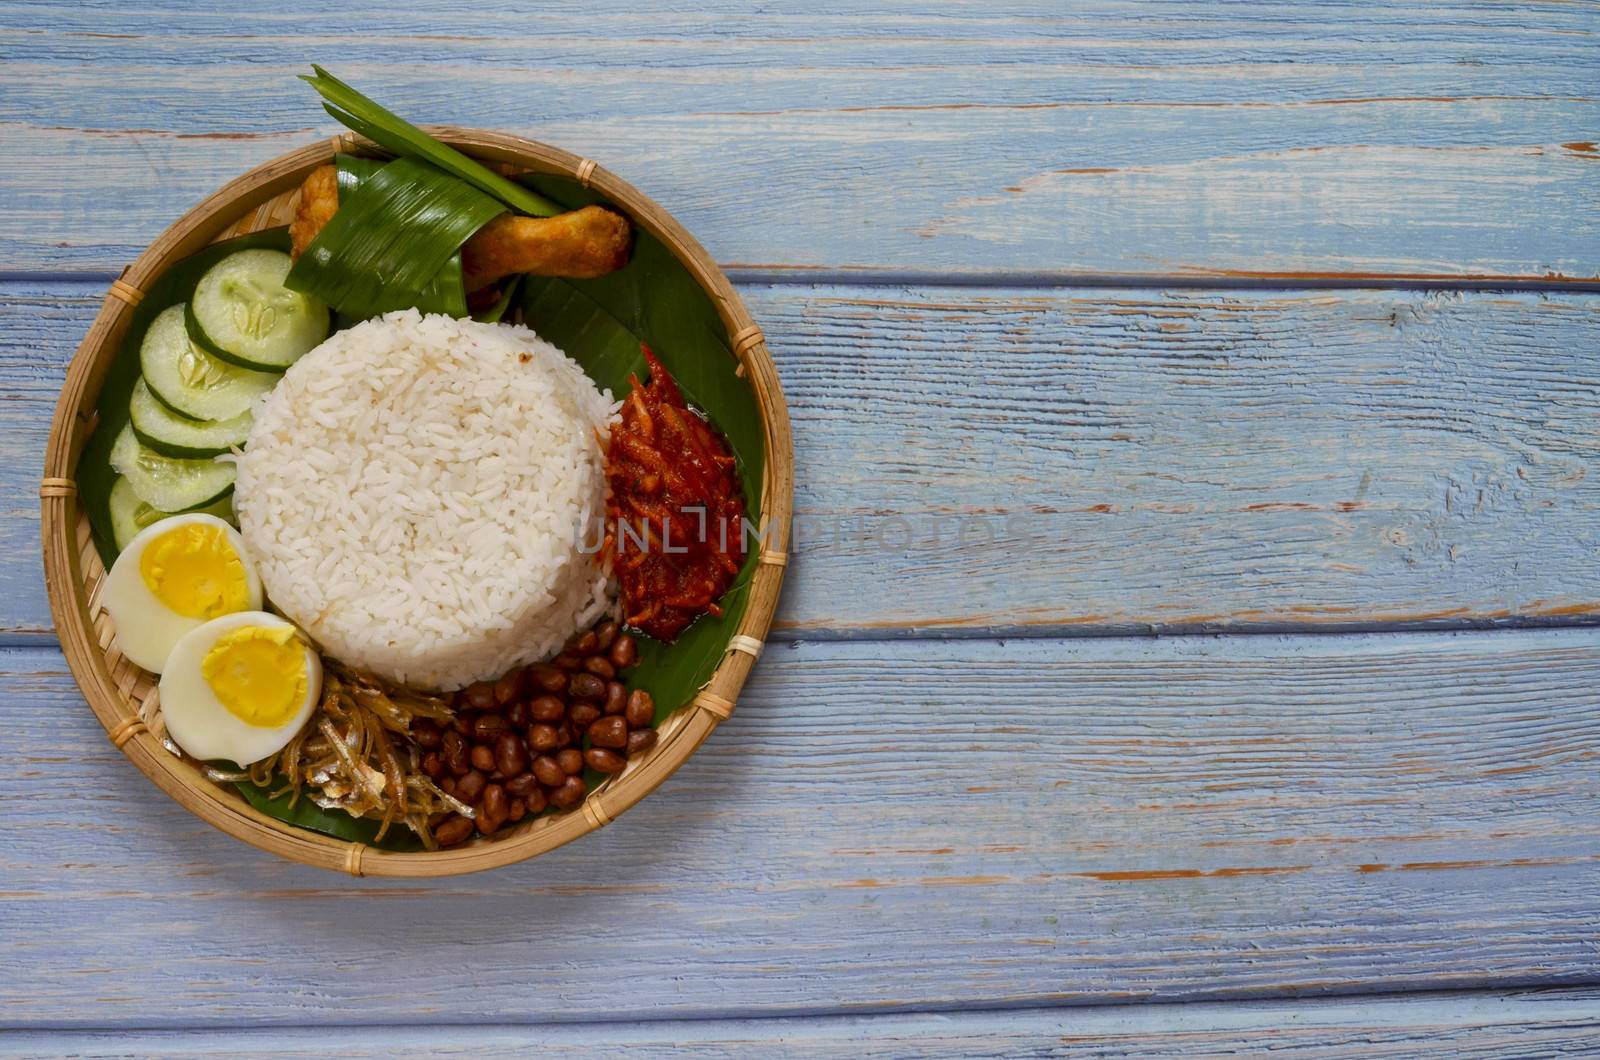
column 1151, row 460
column 890, row 825
column 1117, row 138
column 927, row 825
column 1468, row 1024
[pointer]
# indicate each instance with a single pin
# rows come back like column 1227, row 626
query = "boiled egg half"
column 174, row 576
column 239, row 687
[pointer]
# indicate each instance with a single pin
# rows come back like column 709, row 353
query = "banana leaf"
column 502, row 305
column 307, row 814
column 600, row 324
column 389, row 239
column 95, row 477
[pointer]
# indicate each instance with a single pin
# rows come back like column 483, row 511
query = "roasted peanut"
column 509, row 757
column 494, row 801
column 520, row 744
column 641, row 709
column 506, row 689
column 547, row 708
column 586, row 685
column 543, row 738
column 479, row 696
column 425, row 734
column 609, row 732
column 453, row 749
column 487, row 727
column 569, row 794
column 550, row 679
column 640, row 741
column 603, row 760
column 549, row 771
column 624, row 652
column 452, row 830
column 469, row 787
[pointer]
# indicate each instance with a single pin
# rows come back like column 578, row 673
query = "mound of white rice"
column 415, row 492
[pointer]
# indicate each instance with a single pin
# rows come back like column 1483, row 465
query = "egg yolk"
column 194, row 570
column 258, row 673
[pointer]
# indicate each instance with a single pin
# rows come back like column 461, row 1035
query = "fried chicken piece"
column 319, row 201
column 581, row 244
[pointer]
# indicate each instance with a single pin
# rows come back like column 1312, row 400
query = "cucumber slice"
column 129, row 514
column 242, row 313
column 190, row 381
column 166, row 484
column 172, row 435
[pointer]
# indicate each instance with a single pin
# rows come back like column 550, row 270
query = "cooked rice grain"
column 414, row 493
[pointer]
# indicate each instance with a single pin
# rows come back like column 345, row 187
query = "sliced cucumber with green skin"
column 242, row 313
column 190, row 381
column 167, row 484
column 169, row 434
column 184, row 416
column 129, row 514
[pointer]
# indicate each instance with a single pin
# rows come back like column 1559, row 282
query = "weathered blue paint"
column 1114, row 137
column 926, row 825
column 1470, row 1024
column 1147, row 459
column 890, row 826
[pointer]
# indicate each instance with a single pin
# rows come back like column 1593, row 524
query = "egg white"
column 146, row 628
column 196, row 719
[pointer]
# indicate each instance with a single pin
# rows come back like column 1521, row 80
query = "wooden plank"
column 1173, row 460
column 926, row 825
column 1117, row 138
column 1469, row 1024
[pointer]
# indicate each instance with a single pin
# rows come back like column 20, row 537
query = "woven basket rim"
column 233, row 209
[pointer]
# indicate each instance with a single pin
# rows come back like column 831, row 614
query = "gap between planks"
column 868, row 276
column 1397, row 613
column 1429, row 1011
column 46, row 640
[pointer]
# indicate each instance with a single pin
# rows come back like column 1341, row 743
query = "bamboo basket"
column 123, row 696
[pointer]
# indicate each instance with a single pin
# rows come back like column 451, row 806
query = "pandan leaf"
column 393, row 233
column 446, row 292
column 390, row 131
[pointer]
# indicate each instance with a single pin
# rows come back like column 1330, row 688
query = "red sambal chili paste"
column 676, row 515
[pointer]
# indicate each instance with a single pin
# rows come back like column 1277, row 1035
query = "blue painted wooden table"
column 1262, row 340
